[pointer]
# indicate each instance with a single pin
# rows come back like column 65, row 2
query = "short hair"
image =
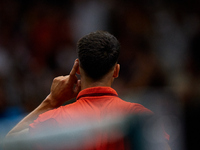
column 98, row 52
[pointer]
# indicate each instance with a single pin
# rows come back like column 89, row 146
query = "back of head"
column 98, row 52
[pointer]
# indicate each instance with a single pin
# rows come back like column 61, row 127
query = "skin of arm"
column 62, row 90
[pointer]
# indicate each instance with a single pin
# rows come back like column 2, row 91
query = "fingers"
column 74, row 68
column 66, row 87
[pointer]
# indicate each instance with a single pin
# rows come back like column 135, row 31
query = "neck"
column 87, row 83
column 95, row 84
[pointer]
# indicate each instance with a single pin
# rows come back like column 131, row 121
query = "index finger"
column 74, row 68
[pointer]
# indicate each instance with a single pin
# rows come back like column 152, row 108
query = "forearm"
column 23, row 125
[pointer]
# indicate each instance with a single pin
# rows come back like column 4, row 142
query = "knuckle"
column 58, row 78
column 55, row 79
column 63, row 80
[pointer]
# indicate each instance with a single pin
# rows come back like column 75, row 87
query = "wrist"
column 50, row 102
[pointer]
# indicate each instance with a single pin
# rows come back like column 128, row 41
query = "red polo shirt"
column 93, row 106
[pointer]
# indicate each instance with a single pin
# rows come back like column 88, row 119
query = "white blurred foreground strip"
column 141, row 132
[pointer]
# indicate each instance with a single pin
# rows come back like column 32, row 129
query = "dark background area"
column 160, row 56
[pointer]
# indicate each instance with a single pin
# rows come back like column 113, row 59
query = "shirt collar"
column 97, row 91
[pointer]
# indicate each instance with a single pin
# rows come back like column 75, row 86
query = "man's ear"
column 116, row 70
column 78, row 70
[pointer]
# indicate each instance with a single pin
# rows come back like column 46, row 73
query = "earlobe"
column 116, row 71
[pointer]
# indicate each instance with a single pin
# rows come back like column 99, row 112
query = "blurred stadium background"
column 160, row 56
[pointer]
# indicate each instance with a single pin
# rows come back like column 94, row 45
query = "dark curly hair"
column 98, row 52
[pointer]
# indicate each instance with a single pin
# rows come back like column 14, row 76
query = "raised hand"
column 64, row 88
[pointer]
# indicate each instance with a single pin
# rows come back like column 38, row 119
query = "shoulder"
column 138, row 108
column 49, row 117
column 53, row 116
column 134, row 107
column 50, row 114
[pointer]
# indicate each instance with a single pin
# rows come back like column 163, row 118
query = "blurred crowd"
column 160, row 50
